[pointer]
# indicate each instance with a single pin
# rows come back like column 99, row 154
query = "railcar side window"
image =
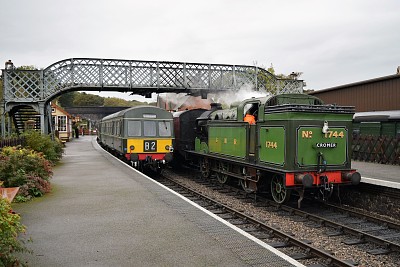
column 117, row 128
column 134, row 128
column 149, row 128
column 164, row 128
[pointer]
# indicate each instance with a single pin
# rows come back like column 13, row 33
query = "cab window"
column 164, row 128
column 134, row 128
column 149, row 128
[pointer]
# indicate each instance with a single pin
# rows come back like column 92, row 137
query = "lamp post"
column 9, row 65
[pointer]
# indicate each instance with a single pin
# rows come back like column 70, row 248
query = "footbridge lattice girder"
column 38, row 87
column 139, row 77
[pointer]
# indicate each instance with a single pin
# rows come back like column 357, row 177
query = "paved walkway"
column 101, row 213
column 379, row 174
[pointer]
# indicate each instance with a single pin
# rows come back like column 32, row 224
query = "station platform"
column 101, row 212
column 378, row 174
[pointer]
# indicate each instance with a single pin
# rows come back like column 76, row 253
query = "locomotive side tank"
column 297, row 143
column 141, row 135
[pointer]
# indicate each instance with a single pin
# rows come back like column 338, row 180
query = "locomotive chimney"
column 216, row 106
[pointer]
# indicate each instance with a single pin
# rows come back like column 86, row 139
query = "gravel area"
column 356, row 253
column 377, row 204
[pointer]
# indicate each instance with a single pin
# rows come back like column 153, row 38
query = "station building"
column 377, row 103
column 62, row 122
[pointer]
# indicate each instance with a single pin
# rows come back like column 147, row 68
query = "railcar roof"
column 138, row 111
column 388, row 115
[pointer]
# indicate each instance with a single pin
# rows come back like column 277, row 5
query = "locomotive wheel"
column 205, row 168
column 243, row 184
column 221, row 177
column 246, row 186
column 280, row 193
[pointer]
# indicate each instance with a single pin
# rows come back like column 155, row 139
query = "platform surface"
column 378, row 174
column 102, row 213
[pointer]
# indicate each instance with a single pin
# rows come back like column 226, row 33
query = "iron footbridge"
column 36, row 88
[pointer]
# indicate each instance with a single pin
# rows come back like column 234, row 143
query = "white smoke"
column 234, row 97
column 226, row 99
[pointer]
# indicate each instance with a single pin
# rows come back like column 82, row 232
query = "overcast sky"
column 331, row 42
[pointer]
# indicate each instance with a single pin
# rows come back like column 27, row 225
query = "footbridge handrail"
column 138, row 77
column 36, row 88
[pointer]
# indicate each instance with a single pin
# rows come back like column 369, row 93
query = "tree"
column 67, row 99
column 84, row 99
column 116, row 102
column 27, row 67
column 1, row 89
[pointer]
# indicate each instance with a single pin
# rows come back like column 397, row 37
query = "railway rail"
column 360, row 226
column 353, row 227
column 379, row 190
column 262, row 231
column 369, row 198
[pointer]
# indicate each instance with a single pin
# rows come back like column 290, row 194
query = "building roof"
column 60, row 109
column 379, row 79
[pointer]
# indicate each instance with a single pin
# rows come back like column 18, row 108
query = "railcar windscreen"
column 164, row 128
column 134, row 128
column 149, row 128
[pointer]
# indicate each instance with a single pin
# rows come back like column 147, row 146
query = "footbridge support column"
column 3, row 119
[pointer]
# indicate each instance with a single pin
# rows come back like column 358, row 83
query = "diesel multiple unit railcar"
column 297, row 143
column 141, row 135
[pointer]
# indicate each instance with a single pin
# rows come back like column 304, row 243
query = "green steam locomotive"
column 297, row 143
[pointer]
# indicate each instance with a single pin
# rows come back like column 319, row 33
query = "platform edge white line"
column 380, row 182
column 237, row 229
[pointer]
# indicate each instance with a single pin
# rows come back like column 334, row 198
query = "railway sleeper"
column 227, row 216
column 379, row 251
column 335, row 232
column 249, row 228
column 354, row 241
column 283, row 244
column 389, row 236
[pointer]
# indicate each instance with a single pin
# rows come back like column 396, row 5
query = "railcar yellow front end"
column 149, row 150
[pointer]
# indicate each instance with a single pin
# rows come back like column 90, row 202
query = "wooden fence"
column 12, row 141
column 378, row 149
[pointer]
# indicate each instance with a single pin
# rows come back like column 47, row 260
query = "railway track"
column 379, row 190
column 373, row 198
column 270, row 235
column 358, row 227
column 379, row 236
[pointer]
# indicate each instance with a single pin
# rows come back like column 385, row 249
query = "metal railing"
column 140, row 77
column 12, row 141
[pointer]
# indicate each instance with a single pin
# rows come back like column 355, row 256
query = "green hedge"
column 10, row 229
column 52, row 150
